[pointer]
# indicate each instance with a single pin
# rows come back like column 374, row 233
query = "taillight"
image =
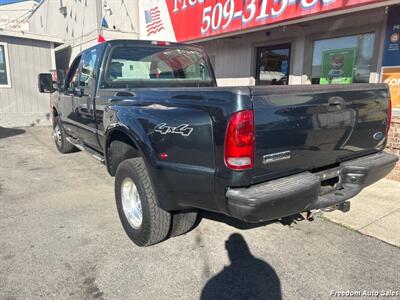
column 160, row 43
column 239, row 141
column 389, row 116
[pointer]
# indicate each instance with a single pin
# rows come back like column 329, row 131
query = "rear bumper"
column 301, row 192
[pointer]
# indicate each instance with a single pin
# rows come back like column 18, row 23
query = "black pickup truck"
column 176, row 143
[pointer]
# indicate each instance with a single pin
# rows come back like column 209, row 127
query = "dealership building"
column 290, row 42
column 287, row 42
column 249, row 42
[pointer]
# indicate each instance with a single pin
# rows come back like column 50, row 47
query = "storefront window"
column 343, row 60
column 273, row 65
column 3, row 67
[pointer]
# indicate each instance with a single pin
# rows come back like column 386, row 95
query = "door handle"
column 337, row 102
column 125, row 94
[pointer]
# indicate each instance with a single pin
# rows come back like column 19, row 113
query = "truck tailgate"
column 299, row 128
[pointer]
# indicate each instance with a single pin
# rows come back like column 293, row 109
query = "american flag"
column 153, row 21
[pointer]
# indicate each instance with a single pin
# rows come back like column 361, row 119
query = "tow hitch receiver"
column 343, row 207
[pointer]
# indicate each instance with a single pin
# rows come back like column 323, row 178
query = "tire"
column 182, row 222
column 60, row 138
column 138, row 200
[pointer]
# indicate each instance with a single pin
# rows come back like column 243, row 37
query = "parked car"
column 177, row 143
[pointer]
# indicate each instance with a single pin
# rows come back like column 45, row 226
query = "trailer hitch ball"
column 307, row 215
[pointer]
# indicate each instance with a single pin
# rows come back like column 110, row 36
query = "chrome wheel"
column 131, row 203
column 57, row 135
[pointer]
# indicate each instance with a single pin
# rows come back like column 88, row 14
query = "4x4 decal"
column 182, row 129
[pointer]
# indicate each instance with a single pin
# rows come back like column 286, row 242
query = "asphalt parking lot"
column 61, row 238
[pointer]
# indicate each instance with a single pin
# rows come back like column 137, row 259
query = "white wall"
column 122, row 15
column 15, row 16
column 81, row 25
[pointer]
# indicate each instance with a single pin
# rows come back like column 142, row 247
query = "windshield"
column 157, row 67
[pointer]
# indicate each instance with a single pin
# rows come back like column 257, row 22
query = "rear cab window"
column 135, row 67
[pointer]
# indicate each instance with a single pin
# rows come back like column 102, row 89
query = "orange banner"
column 391, row 76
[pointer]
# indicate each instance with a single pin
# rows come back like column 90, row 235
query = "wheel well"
column 119, row 147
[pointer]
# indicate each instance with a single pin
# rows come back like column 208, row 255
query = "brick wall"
column 393, row 146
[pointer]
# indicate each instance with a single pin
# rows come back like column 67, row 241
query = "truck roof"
column 141, row 43
column 152, row 43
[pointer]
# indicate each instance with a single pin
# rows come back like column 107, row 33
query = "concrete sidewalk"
column 374, row 212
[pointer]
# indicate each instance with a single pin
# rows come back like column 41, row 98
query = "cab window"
column 72, row 76
column 87, row 66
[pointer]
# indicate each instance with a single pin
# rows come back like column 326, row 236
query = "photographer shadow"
column 9, row 132
column 247, row 277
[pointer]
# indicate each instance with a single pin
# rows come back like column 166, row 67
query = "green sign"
column 337, row 66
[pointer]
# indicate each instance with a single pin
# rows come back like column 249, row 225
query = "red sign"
column 197, row 19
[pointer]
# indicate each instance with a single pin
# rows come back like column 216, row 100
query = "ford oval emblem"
column 378, row 135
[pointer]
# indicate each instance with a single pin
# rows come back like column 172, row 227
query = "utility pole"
column 99, row 15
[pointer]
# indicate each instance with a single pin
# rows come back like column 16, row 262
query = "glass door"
column 273, row 65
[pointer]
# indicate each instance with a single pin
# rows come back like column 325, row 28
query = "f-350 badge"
column 182, row 129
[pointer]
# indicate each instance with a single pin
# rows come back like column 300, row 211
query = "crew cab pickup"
column 177, row 143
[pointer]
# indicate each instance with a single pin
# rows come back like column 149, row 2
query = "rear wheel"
column 182, row 222
column 143, row 220
column 60, row 138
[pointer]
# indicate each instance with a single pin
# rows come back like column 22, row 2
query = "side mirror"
column 45, row 83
